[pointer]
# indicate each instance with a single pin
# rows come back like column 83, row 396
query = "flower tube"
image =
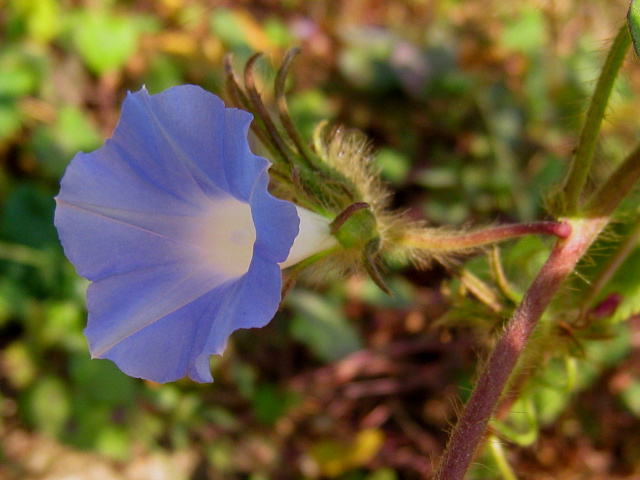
column 172, row 222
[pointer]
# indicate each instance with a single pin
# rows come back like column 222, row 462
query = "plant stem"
column 443, row 242
column 471, row 426
column 607, row 198
column 581, row 163
column 500, row 278
column 596, row 214
column 501, row 459
column 480, row 290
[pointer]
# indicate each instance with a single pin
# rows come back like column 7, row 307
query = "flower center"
column 226, row 235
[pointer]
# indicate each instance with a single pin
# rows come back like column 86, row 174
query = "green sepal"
column 368, row 259
column 357, row 230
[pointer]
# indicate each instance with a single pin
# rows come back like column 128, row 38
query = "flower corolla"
column 172, row 222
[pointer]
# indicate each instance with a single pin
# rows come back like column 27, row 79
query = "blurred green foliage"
column 473, row 109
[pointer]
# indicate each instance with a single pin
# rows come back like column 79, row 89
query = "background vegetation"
column 473, row 107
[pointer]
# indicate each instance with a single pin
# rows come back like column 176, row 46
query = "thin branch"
column 501, row 458
column 481, row 291
column 500, row 277
column 443, row 242
column 607, row 198
column 471, row 426
column 581, row 162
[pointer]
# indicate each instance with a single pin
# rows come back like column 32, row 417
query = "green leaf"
column 20, row 73
column 48, row 406
column 402, row 293
column 43, row 18
column 54, row 145
column 88, row 420
column 101, row 381
column 394, row 165
column 551, row 391
column 64, row 321
column 21, row 367
column 308, row 108
column 244, row 376
column 114, row 442
column 220, row 454
column 27, row 218
column 383, row 474
column 278, row 32
column 269, row 403
column 222, row 418
column 10, row 120
column 526, row 33
column 14, row 299
column 322, row 327
column 105, row 41
column 524, row 260
column 550, row 403
column 609, row 352
column 633, row 20
column 163, row 72
column 521, row 425
column 227, row 26
column 336, row 457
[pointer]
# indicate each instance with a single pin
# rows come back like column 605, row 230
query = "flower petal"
column 252, row 304
column 165, row 352
column 173, row 223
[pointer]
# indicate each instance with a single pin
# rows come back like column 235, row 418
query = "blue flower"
column 172, row 222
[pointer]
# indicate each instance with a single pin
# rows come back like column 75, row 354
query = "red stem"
column 457, row 242
column 471, row 426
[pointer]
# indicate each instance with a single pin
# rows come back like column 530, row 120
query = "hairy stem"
column 581, row 163
column 443, row 242
column 596, row 214
column 471, row 426
column 607, row 198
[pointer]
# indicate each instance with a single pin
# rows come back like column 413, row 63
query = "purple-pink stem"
column 576, row 237
column 472, row 424
column 444, row 242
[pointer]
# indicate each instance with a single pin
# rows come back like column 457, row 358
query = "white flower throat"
column 313, row 237
column 227, row 234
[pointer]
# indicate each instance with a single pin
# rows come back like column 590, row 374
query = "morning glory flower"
column 172, row 222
